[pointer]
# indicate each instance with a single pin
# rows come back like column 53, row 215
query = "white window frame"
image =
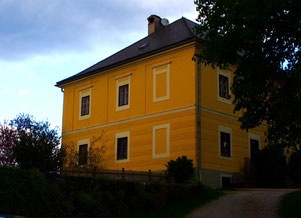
column 122, row 83
column 83, row 142
column 155, row 128
column 254, row 137
column 155, row 73
column 227, row 176
column 226, row 74
column 122, row 135
column 81, row 95
column 225, row 130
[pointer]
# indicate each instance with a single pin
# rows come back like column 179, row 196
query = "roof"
column 175, row 34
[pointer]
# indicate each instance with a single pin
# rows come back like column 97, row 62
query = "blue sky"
column 45, row 41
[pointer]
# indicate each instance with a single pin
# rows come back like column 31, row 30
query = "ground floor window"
column 122, row 146
column 83, row 154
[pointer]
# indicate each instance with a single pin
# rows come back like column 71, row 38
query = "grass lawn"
column 179, row 208
column 290, row 205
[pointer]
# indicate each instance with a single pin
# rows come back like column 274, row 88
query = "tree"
column 37, row 145
column 95, row 152
column 260, row 40
column 8, row 138
column 180, row 169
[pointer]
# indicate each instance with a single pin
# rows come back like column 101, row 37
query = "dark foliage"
column 294, row 166
column 31, row 194
column 27, row 193
column 37, row 145
column 270, row 167
column 180, row 169
column 8, row 138
column 260, row 40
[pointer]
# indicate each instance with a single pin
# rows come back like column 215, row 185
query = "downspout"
column 198, row 108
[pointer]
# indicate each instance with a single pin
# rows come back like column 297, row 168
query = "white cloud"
column 22, row 92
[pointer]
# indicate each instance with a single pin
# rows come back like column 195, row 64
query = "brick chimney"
column 154, row 24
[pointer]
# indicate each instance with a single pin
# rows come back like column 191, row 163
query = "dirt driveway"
column 243, row 203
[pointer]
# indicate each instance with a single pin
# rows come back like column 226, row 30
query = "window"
column 83, row 148
column 123, row 92
column 122, row 146
column 226, row 181
column 161, row 141
column 123, row 95
column 161, row 82
column 254, row 145
column 225, row 141
column 224, row 87
column 83, row 154
column 85, row 103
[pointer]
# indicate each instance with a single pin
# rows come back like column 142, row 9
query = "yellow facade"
column 168, row 91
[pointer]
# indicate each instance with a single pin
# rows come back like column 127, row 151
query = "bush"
column 294, row 166
column 180, row 169
column 270, row 167
column 27, row 193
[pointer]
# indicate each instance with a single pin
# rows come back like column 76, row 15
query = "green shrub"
column 27, row 193
column 294, row 166
column 270, row 167
column 180, row 169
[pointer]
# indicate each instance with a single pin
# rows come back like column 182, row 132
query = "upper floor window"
column 161, row 82
column 225, row 141
column 224, row 87
column 85, row 103
column 123, row 85
column 123, row 95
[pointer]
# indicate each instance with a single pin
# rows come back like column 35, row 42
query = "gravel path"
column 243, row 203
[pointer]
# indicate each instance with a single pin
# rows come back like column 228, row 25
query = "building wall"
column 172, row 104
column 152, row 109
column 217, row 114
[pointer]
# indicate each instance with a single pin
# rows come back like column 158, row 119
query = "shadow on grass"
column 179, row 208
column 290, row 205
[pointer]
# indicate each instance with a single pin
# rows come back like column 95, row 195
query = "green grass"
column 290, row 205
column 179, row 208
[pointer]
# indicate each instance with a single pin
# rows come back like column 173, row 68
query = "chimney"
column 154, row 24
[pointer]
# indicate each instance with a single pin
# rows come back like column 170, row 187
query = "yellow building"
column 153, row 103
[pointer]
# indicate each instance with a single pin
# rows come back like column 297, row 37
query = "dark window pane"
column 123, row 95
column 85, row 105
column 83, row 154
column 225, row 144
column 122, row 148
column 254, row 147
column 224, row 87
column 226, row 182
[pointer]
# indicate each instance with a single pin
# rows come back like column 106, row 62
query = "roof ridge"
column 185, row 20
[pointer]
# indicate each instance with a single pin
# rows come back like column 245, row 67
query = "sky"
column 45, row 41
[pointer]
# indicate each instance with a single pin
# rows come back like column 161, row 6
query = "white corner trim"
column 254, row 137
column 81, row 95
column 121, row 135
column 226, row 74
column 226, row 130
column 155, row 73
column 121, row 83
column 155, row 128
